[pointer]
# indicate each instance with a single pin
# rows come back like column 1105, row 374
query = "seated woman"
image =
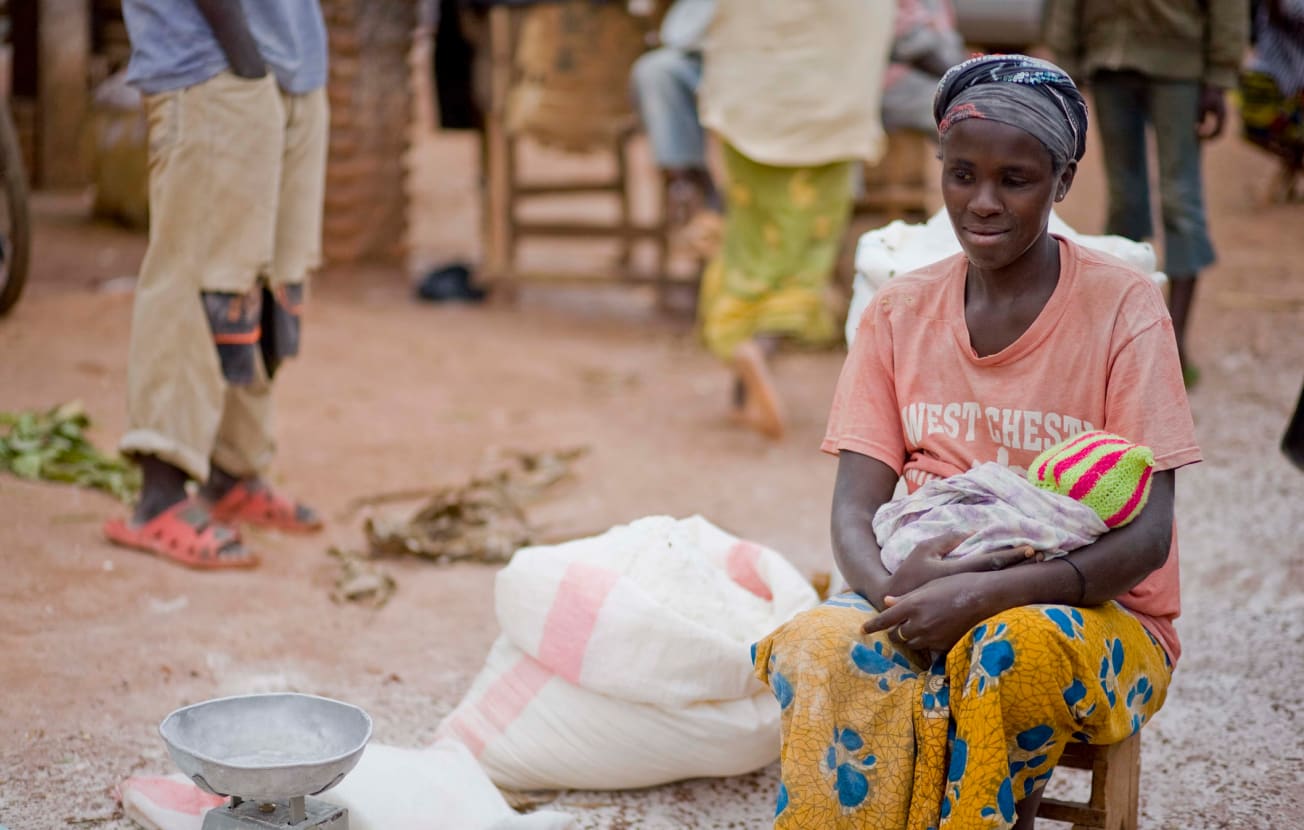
column 943, row 694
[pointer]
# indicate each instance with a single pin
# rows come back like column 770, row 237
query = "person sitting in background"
column 665, row 82
column 925, row 43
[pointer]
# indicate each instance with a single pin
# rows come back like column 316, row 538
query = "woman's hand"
column 928, row 562
column 935, row 616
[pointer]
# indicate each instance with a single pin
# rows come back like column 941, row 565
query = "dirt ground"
column 97, row 644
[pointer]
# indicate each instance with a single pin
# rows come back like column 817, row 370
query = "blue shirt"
column 172, row 45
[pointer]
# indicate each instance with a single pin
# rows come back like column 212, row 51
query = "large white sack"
column 625, row 659
column 437, row 788
column 659, row 611
column 898, row 248
column 532, row 730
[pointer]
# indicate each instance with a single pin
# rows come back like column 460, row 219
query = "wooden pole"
column 63, row 55
column 497, row 147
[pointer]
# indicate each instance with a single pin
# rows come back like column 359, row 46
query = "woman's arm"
column 863, row 485
column 936, row 615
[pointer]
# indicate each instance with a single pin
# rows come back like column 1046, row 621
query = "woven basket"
column 572, row 66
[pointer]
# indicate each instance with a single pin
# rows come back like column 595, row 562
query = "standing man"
column 237, row 110
column 1167, row 63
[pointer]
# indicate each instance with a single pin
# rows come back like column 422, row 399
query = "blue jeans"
column 665, row 85
column 1125, row 103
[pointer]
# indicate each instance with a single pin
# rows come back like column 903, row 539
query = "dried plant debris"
column 52, row 446
column 482, row 520
column 361, row 580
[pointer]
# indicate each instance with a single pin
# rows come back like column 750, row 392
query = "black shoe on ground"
column 450, row 283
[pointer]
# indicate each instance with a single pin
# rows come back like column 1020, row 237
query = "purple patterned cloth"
column 999, row 507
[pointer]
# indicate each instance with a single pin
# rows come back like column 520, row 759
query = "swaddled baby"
column 1073, row 492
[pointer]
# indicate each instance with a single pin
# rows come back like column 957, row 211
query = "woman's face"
column 999, row 184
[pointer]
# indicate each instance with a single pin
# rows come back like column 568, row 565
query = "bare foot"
column 761, row 409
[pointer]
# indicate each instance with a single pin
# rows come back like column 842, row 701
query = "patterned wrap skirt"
column 782, row 233
column 875, row 737
column 1271, row 119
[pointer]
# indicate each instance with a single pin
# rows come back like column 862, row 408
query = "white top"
column 796, row 83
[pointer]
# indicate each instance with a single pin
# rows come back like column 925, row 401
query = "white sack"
column 532, row 730
column 898, row 248
column 625, row 659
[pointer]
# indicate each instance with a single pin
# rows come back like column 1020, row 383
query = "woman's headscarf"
column 1034, row 95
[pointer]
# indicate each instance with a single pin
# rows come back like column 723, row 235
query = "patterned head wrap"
column 1034, row 95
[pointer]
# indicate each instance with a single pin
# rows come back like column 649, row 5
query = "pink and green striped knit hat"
column 1109, row 474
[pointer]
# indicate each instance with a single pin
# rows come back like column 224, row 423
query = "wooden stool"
column 898, row 186
column 1115, row 777
column 610, row 133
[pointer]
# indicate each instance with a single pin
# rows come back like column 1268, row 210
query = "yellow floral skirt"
column 875, row 738
column 783, row 229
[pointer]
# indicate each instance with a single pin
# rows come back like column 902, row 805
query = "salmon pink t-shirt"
column 915, row 395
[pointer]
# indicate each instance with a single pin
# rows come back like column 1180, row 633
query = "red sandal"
column 185, row 533
column 253, row 502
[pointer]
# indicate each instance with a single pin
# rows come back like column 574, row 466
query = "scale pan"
column 266, row 747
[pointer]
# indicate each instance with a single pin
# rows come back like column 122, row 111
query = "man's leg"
column 245, row 442
column 665, row 85
column 1187, row 247
column 1120, row 106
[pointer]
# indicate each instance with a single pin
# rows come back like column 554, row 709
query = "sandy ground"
column 98, row 644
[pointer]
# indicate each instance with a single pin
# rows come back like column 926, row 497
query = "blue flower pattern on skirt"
column 1068, row 618
column 1032, row 753
column 1110, row 665
column 889, row 667
column 1137, row 698
column 1004, row 807
column 995, row 657
column 1075, row 695
column 848, row 760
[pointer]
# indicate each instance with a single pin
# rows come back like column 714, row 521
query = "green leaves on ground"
column 52, row 446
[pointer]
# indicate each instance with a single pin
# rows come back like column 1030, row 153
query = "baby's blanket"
column 999, row 507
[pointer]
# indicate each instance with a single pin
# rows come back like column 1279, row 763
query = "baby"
column 1073, row 492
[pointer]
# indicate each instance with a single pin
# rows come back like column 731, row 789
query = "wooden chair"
column 1115, row 778
column 507, row 189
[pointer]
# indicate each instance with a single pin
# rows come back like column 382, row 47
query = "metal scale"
column 268, row 754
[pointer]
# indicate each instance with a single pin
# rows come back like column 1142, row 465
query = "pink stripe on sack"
column 740, row 565
column 572, row 617
column 507, row 698
column 1127, row 509
column 1081, row 455
column 177, row 796
column 1088, row 479
column 500, row 705
column 463, row 731
column 1082, row 436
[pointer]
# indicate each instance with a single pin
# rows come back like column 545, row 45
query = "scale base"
column 253, row 815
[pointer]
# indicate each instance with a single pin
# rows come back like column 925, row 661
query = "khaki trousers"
column 236, row 180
